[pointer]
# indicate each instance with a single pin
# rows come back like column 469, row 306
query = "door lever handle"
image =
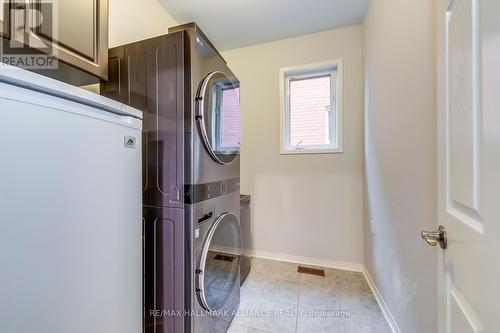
column 434, row 238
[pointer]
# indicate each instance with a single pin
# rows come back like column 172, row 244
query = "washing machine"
column 213, row 290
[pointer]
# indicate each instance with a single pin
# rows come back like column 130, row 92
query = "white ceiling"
column 235, row 23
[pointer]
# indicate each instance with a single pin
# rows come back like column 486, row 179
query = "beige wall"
column 133, row 20
column 307, row 205
column 400, row 157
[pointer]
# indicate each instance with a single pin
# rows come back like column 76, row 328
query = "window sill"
column 311, row 151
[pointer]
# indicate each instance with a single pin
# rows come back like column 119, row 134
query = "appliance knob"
column 223, row 187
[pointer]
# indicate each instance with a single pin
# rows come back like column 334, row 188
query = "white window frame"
column 334, row 68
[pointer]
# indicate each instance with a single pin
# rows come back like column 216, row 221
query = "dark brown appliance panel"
column 163, row 269
column 149, row 75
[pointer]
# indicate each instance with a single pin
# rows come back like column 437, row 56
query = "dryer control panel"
column 201, row 192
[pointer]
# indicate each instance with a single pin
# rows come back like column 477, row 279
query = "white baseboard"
column 380, row 300
column 347, row 266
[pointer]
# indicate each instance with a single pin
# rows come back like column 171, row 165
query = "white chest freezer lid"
column 40, row 83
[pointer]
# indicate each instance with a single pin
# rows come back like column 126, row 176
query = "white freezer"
column 70, row 209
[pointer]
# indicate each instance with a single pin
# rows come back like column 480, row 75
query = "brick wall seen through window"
column 309, row 111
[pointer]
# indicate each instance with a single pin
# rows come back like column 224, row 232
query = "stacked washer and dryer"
column 191, row 177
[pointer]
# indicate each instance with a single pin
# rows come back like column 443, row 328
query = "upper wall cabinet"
column 75, row 31
column 4, row 20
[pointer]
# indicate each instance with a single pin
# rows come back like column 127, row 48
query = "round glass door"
column 219, row 117
column 220, row 263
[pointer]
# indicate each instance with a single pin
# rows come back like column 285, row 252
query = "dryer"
column 213, row 125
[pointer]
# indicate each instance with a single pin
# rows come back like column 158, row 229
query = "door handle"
column 434, row 238
column 205, row 217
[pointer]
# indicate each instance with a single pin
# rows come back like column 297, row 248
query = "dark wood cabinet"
column 4, row 20
column 75, row 31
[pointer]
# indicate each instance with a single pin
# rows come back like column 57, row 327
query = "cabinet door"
column 4, row 19
column 77, row 30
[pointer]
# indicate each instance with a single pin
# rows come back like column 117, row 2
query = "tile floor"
column 277, row 299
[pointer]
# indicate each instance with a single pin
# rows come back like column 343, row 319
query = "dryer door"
column 219, row 265
column 218, row 116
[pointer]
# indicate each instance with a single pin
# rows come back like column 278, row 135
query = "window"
column 228, row 118
column 311, row 108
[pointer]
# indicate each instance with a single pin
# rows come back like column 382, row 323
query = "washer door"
column 219, row 265
column 218, row 116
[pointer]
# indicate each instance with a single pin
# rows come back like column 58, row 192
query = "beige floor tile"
column 366, row 325
column 319, row 296
column 353, row 284
column 274, row 269
column 360, row 305
column 266, row 315
column 273, row 288
column 342, row 301
column 234, row 328
column 319, row 321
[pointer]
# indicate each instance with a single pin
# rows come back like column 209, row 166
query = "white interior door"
column 469, row 166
